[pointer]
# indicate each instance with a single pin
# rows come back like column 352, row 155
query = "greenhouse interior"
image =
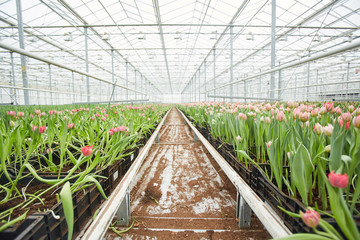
column 164, row 119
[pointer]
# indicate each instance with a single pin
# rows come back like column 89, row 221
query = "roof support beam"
column 158, row 19
column 67, row 6
column 239, row 10
column 353, row 45
column 178, row 25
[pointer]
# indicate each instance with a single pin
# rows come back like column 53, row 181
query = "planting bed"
column 316, row 138
column 114, row 152
column 181, row 192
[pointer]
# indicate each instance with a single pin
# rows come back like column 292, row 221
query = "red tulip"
column 311, row 217
column 338, row 180
column 87, row 150
column 42, row 129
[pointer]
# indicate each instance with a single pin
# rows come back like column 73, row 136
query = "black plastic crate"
column 32, row 228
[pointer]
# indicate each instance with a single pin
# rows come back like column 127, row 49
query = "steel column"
column 347, row 79
column 308, row 80
column 73, row 85
column 12, row 79
column 87, row 64
column 127, row 79
column 50, row 85
column 214, row 53
column 279, row 85
column 273, row 41
column 22, row 46
column 231, row 61
column 135, row 86
column 199, row 85
column 205, row 78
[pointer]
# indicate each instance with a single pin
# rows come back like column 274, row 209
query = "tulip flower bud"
column 12, row 124
column 20, row 114
column 351, row 108
column 311, row 217
column 328, row 130
column 318, row 128
column 356, row 121
column 34, row 127
column 70, row 125
column 42, row 129
column 280, row 116
column 346, row 117
column 87, row 150
column 338, row 180
column 338, row 110
column 267, row 120
column 329, row 106
column 328, row 148
column 238, row 138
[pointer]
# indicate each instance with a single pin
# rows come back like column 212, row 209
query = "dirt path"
column 181, row 193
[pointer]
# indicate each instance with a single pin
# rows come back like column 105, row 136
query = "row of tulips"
column 81, row 140
column 301, row 143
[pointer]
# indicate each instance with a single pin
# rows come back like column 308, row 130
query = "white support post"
column 243, row 211
column 123, row 212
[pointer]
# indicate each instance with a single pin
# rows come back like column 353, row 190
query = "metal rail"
column 350, row 46
column 32, row 55
column 119, row 199
column 121, row 101
column 243, row 97
column 246, row 196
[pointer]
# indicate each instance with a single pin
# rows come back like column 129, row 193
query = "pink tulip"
column 322, row 110
column 268, row 144
column 123, row 129
column 290, row 104
column 268, row 107
column 280, row 116
column 20, row 114
column 267, row 120
column 304, row 116
column 347, row 126
column 338, row 180
column 11, row 113
column 328, row 130
column 338, row 110
column 318, row 128
column 329, row 106
column 87, row 150
column 34, row 127
column 103, row 119
column 351, row 108
column 296, row 113
column 42, row 129
column 97, row 115
column 346, row 117
column 37, row 112
column 111, row 132
column 70, row 125
column 356, row 121
column 311, row 217
column 341, row 122
column 43, row 114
